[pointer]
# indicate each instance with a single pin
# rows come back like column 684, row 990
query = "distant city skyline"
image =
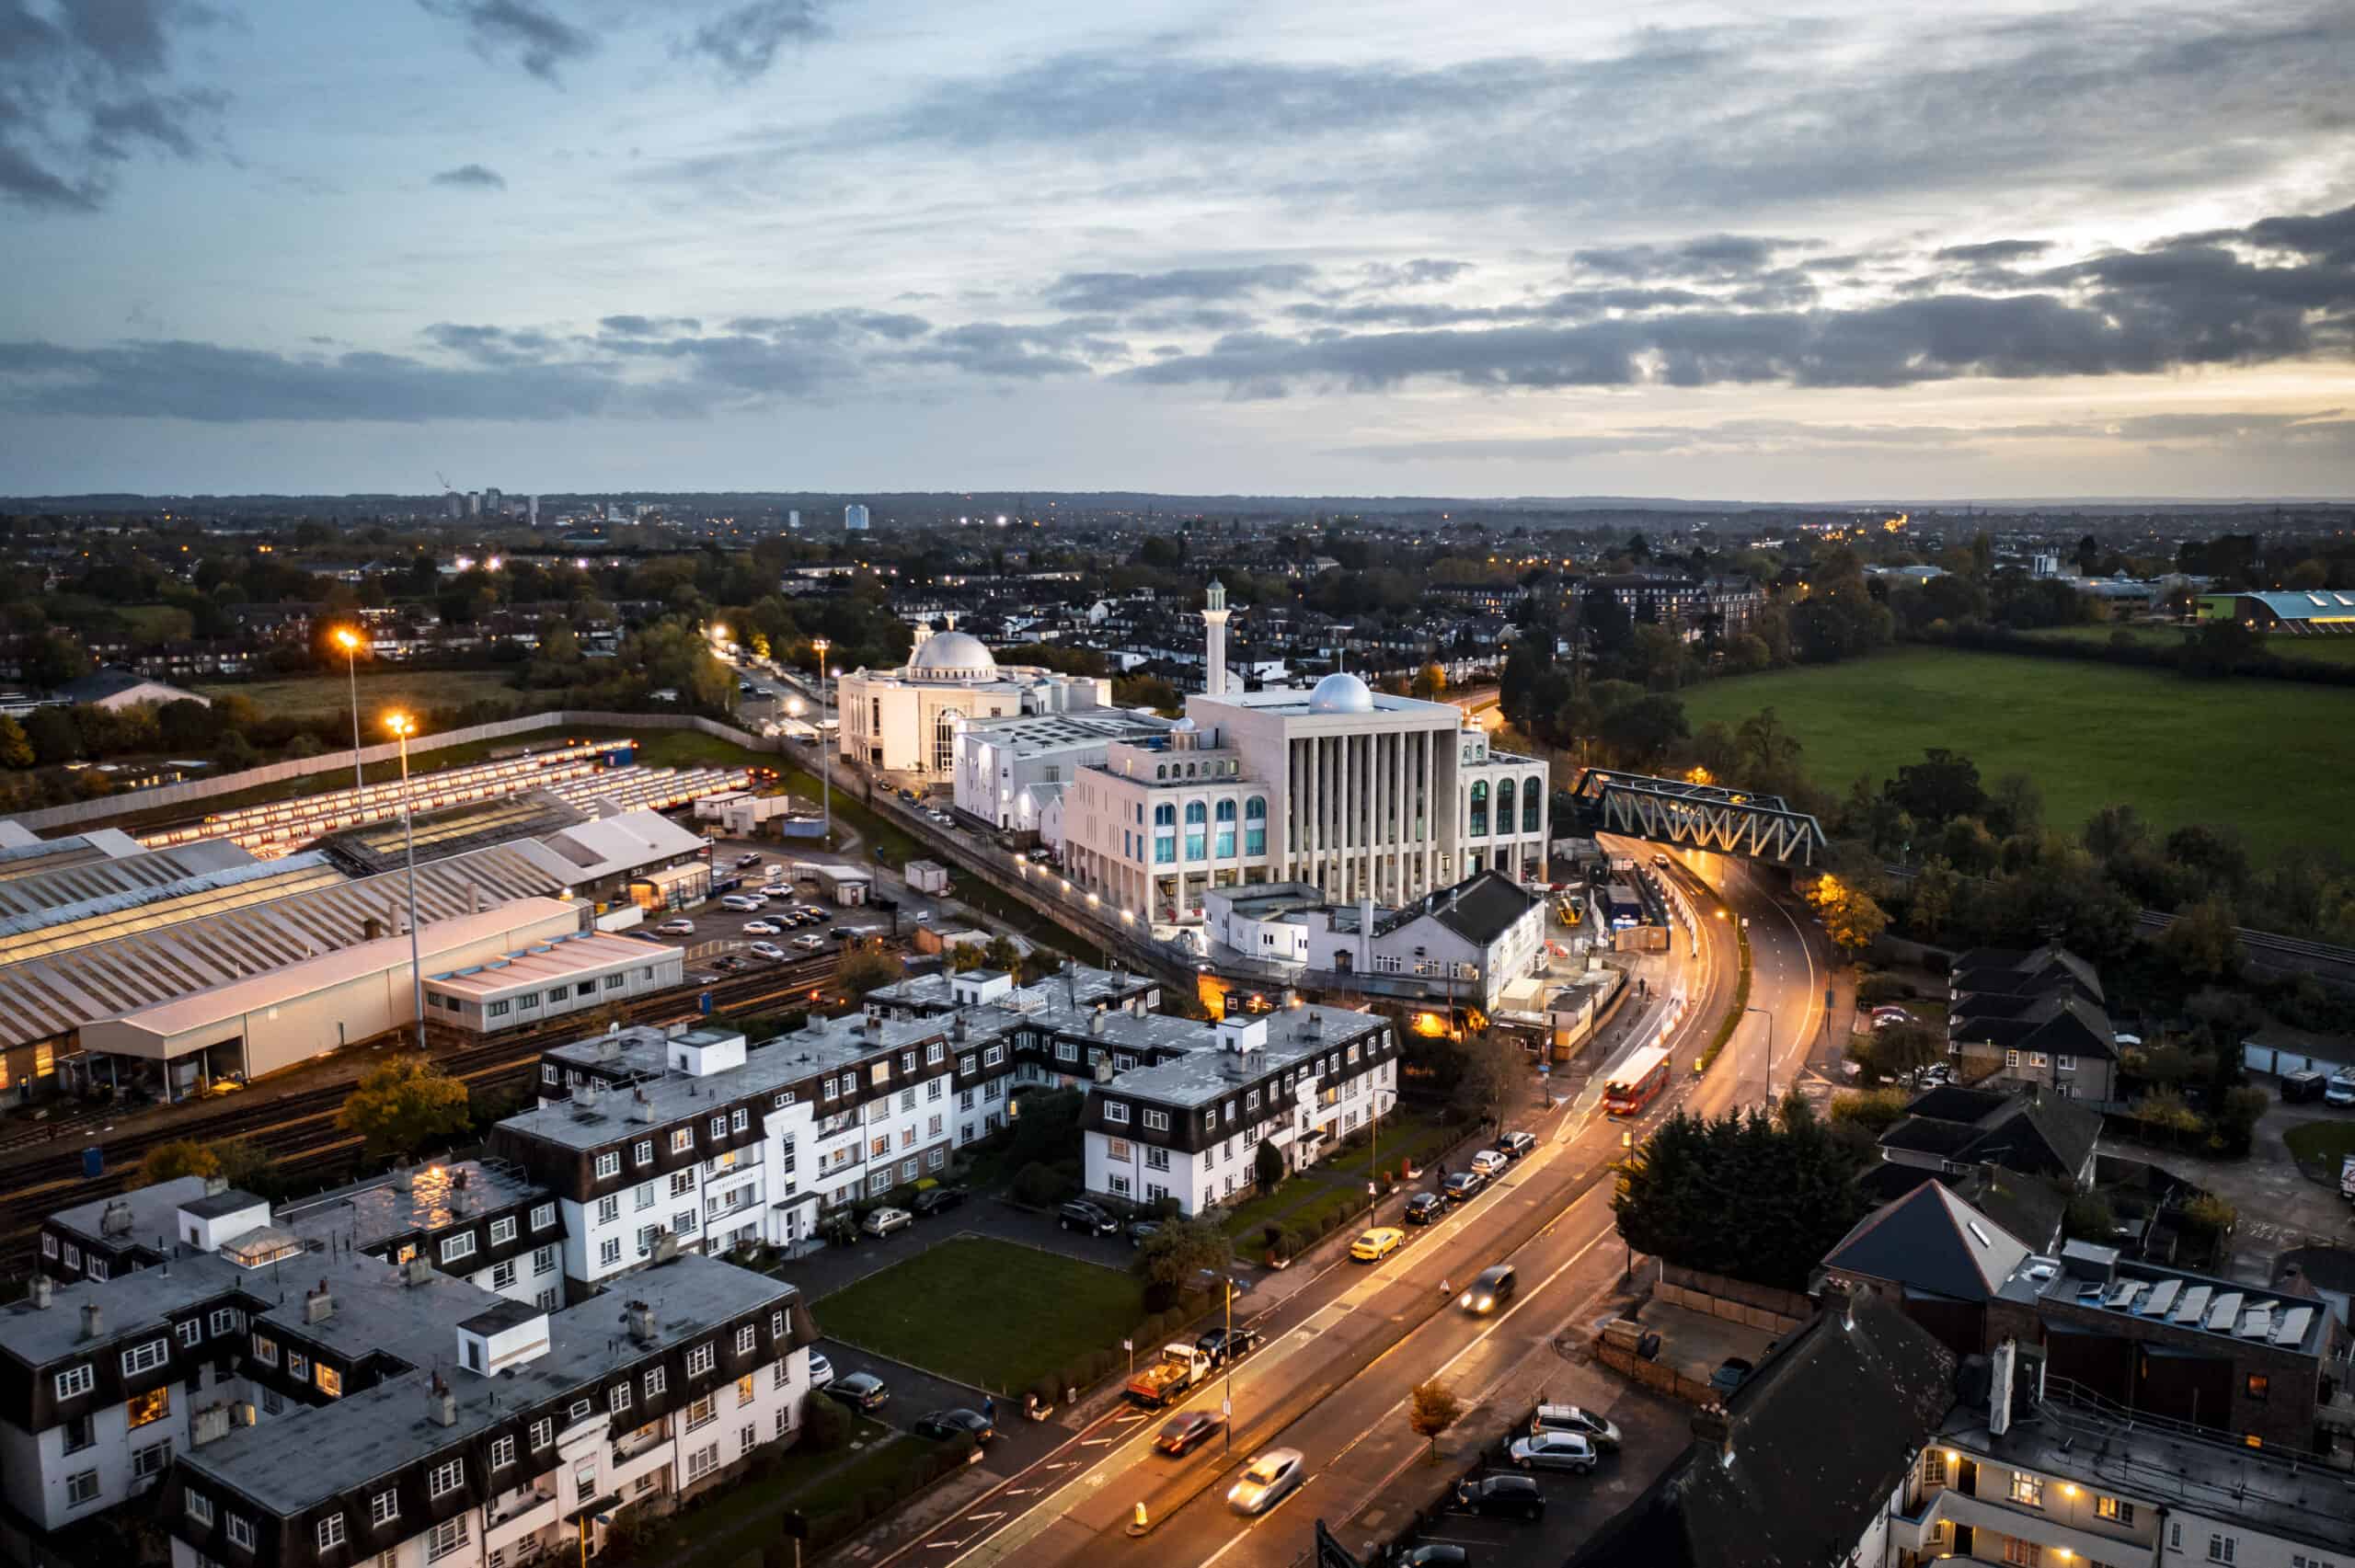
column 1316, row 248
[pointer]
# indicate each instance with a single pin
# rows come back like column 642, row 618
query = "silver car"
column 1578, row 1421
column 1268, row 1480
column 1554, row 1450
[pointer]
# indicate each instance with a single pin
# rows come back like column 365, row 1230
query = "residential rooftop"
column 1294, row 1036
column 373, row 1212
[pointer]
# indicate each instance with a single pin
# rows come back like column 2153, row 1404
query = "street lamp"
column 1770, row 1052
column 349, row 641
column 825, row 760
column 403, row 727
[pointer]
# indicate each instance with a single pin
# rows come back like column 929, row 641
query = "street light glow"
column 400, row 725
column 346, row 638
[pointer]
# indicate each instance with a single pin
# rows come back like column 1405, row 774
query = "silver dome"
column 1342, row 692
column 953, row 653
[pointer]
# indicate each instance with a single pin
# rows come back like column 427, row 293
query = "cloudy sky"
column 1347, row 247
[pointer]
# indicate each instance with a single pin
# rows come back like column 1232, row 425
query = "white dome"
column 1340, row 693
column 953, row 653
column 1183, row 726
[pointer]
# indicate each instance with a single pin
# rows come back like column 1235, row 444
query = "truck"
column 1179, row 1369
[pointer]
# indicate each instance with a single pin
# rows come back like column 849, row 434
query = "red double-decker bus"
column 1637, row 1084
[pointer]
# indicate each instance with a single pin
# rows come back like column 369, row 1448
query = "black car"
column 1080, row 1214
column 860, row 1390
column 944, row 1424
column 1514, row 1496
column 1515, row 1145
column 935, row 1200
column 1424, row 1207
column 1181, row 1433
column 1222, row 1345
column 1491, row 1289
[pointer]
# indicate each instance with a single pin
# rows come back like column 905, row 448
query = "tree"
column 1933, row 898
column 1943, row 784
column 2089, row 1218
column 1430, row 683
column 1489, row 1076
column 181, row 1157
column 1639, row 733
column 1178, row 1255
column 1267, row 1166
column 1431, row 1410
column 1796, row 1181
column 187, row 726
column 2204, row 942
column 866, row 967
column 16, row 747
column 56, row 738
column 1871, row 1111
column 1851, row 917
column 404, row 1106
column 2113, row 830
column 1905, row 1049
column 826, row 1423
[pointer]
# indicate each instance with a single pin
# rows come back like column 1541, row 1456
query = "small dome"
column 1183, row 726
column 953, row 653
column 1342, row 692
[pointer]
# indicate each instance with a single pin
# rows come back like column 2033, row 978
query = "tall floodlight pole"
column 825, row 747
column 349, row 641
column 402, row 726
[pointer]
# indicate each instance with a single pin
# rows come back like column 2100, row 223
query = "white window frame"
column 502, row 1451
column 241, row 1533
column 747, row 1339
column 330, row 1532
column 701, row 1358
column 384, row 1508
column 76, row 1382
column 502, row 1231
column 461, row 1245
column 445, row 1478
column 609, row 1164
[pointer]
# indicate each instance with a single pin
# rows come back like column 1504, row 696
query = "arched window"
column 1196, row 812
column 1255, row 826
column 1164, row 834
column 1162, row 771
column 1531, row 804
column 1504, row 805
column 1256, row 809
column 1480, row 809
column 1226, row 811
column 944, row 740
column 1197, row 840
column 1224, row 846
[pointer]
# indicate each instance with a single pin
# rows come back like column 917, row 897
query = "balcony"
column 518, row 1516
column 636, row 1442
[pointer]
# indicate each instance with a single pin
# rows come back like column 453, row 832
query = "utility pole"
column 401, row 724
column 349, row 641
column 825, row 748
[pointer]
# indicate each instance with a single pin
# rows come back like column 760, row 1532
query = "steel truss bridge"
column 1701, row 816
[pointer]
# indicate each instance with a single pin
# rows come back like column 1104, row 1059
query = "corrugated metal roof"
column 44, row 997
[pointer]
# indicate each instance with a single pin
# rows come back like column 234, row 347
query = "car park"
column 860, row 1390
column 1223, row 1345
column 935, row 1200
column 1268, row 1480
column 766, row 950
column 1424, row 1207
column 1574, row 1419
column 1080, row 1214
column 762, row 927
column 821, row 1371
column 1180, row 1434
column 944, row 1424
column 1461, row 1186
column 676, row 928
column 1490, row 1290
column 1510, row 1497
column 883, row 1221
column 1378, row 1243
column 1516, row 1145
column 1554, row 1450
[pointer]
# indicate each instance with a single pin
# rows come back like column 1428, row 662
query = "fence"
column 1654, row 1376
column 1735, row 1300
column 196, row 791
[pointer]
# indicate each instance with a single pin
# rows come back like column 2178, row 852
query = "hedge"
column 1732, row 1019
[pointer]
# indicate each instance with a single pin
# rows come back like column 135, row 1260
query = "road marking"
column 1060, row 1464
column 1096, row 1442
column 985, row 1519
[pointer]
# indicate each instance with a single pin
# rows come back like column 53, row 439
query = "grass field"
column 2268, row 758
column 2321, row 1146
column 380, row 693
column 2319, row 650
column 992, row 1314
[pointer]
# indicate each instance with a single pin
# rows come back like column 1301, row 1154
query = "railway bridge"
column 1717, row 818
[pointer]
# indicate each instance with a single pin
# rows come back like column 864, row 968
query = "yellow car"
column 1377, row 1245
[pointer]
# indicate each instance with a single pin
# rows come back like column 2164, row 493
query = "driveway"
column 2280, row 1208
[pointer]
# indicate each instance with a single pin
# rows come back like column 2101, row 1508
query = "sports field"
column 2322, row 651
column 2268, row 758
column 380, row 691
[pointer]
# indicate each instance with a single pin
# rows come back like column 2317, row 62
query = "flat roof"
column 132, row 1306
column 1200, row 1076
column 2224, row 1309
column 154, row 1211
column 1028, row 735
column 371, row 1213
column 585, row 953
column 625, row 841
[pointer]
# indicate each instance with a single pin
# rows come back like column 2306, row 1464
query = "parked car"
column 1572, row 1418
column 766, row 950
column 1731, row 1373
column 1491, row 1289
column 731, row 964
column 1424, row 1207
column 1491, row 1162
column 1554, row 1450
column 1143, row 1231
column 883, row 1221
column 1181, row 1433
column 1223, row 1345
column 762, row 927
column 810, row 944
column 935, row 1200
column 752, row 858
column 2340, row 1090
column 1438, row 1554
column 860, row 1390
column 1268, row 1480
column 1461, row 1186
column 743, row 903
column 1378, row 1243
column 821, row 1371
column 944, row 1424
column 676, row 928
column 1080, row 1214
column 1512, row 1496
column 1515, row 1145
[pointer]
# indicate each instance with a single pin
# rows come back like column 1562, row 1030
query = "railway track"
column 299, row 1131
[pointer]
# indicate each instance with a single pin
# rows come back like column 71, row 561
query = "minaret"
column 1214, row 640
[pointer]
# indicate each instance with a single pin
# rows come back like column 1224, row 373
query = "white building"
column 1468, row 942
column 854, row 519
column 998, row 760
column 907, row 719
column 576, row 973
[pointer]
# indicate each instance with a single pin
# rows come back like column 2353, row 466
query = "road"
column 1341, row 1355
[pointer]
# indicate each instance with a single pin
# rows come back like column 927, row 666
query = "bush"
column 828, row 1528
column 1158, row 1294
column 1876, row 988
column 1038, row 1185
column 826, row 1426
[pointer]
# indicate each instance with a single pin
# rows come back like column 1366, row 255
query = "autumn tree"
column 1431, row 1410
column 16, row 748
column 403, row 1107
column 232, row 1160
column 1430, row 683
column 867, row 967
column 1851, row 917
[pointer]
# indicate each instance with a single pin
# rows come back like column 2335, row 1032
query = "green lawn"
column 2322, row 1146
column 1416, row 1136
column 738, row 1521
column 990, row 1313
column 2268, row 758
column 381, row 691
column 2321, row 650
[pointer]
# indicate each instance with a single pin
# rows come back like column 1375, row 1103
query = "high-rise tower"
column 1214, row 640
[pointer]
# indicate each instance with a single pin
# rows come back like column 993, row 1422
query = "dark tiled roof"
column 1479, row 910
column 1930, row 1240
column 2039, row 969
column 1821, row 1435
column 2057, row 1023
column 2028, row 1131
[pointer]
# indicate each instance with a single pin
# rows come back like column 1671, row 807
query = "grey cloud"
column 834, row 325
column 743, row 42
column 472, row 176
column 998, row 349
column 1197, row 318
column 1127, row 291
column 538, row 39
column 1999, row 252
column 1413, row 274
column 87, row 90
column 648, row 326
column 1711, row 258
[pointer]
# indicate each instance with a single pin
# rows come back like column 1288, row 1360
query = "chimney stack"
column 608, row 1047
column 94, row 1322
column 371, row 928
column 642, row 1107
column 208, row 1424
column 584, row 1098
column 416, row 1270
column 44, row 1291
column 1215, row 614
column 440, row 1404
column 215, row 1186
column 1713, row 1425
column 116, row 1218
column 640, row 1315
column 317, row 1305
column 1095, row 1022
